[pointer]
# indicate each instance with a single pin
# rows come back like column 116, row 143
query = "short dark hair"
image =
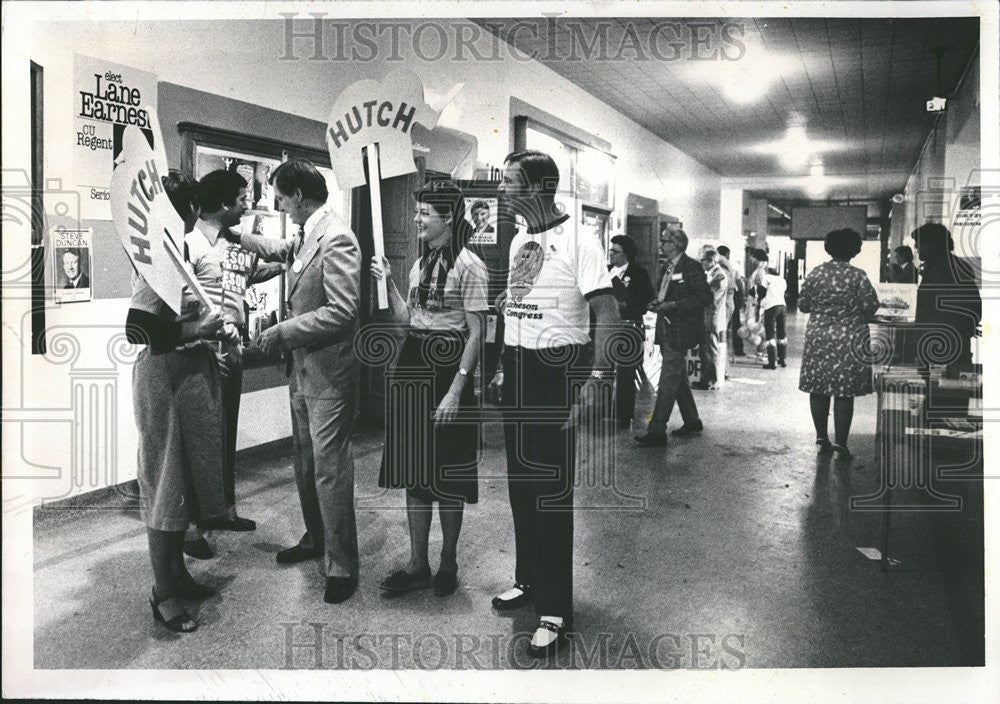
column 628, row 246
column 723, row 250
column 219, row 188
column 936, row 237
column 75, row 251
column 842, row 244
column 447, row 199
column 759, row 254
column 300, row 175
column 479, row 205
column 904, row 252
column 538, row 168
column 183, row 192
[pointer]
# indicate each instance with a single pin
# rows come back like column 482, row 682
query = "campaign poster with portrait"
column 72, row 265
column 107, row 97
column 482, row 215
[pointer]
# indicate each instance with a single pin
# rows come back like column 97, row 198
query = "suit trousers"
column 324, row 475
column 541, row 459
column 673, row 387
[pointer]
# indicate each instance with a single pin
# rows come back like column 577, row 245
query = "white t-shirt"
column 775, row 295
column 223, row 270
column 464, row 290
column 551, row 273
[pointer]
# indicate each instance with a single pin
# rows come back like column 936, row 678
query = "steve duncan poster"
column 107, row 97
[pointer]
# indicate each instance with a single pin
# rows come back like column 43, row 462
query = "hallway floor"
column 733, row 548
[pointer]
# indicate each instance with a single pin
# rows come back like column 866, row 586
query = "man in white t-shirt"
column 557, row 277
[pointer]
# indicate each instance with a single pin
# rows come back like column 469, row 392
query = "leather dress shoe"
column 236, row 524
column 504, row 603
column 198, row 549
column 701, row 385
column 651, row 440
column 339, row 589
column 688, row 429
column 297, row 553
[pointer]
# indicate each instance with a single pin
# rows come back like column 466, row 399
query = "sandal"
column 190, row 589
column 172, row 614
column 547, row 638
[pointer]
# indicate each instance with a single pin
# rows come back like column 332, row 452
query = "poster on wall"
column 107, row 97
column 482, row 215
column 71, row 264
column 897, row 303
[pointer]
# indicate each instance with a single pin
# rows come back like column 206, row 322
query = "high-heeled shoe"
column 172, row 614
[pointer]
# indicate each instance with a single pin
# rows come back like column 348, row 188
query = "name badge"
column 297, row 266
column 677, row 277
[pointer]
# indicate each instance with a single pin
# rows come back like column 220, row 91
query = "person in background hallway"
column 841, row 301
column 731, row 295
column 948, row 295
column 902, row 270
column 633, row 291
column 735, row 300
column 770, row 290
column 178, row 413
column 324, row 302
column 679, row 305
column 428, row 453
column 713, row 345
column 223, row 197
column 546, row 328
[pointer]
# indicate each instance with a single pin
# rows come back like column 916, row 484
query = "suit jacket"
column 634, row 290
column 684, row 327
column 82, row 282
column 324, row 303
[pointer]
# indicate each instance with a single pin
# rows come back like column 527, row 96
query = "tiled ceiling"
column 859, row 84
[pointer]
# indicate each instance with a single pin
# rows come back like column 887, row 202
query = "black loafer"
column 296, row 553
column 339, row 589
column 198, row 549
column 445, row 583
column 236, row 524
column 402, row 581
column 525, row 598
column 651, row 440
column 688, row 429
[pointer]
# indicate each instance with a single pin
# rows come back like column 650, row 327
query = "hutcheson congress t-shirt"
column 552, row 274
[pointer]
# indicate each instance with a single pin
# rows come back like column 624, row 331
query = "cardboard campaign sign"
column 149, row 227
column 372, row 112
column 374, row 119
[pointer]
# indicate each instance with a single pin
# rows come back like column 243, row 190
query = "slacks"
column 541, row 459
column 673, row 387
column 324, row 476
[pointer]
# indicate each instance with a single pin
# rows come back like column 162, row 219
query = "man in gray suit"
column 323, row 261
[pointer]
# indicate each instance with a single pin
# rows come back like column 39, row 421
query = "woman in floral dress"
column 841, row 301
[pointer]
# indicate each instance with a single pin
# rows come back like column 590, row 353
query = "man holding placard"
column 224, row 270
column 324, row 293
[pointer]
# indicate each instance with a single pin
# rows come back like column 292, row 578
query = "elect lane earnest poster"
column 107, row 97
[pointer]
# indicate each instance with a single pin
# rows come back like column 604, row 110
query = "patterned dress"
column 841, row 301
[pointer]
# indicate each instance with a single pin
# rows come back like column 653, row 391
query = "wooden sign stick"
column 189, row 278
column 375, row 189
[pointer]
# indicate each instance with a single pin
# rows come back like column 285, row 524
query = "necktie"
column 300, row 237
column 668, row 271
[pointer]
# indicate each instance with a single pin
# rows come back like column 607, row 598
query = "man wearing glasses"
column 682, row 295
